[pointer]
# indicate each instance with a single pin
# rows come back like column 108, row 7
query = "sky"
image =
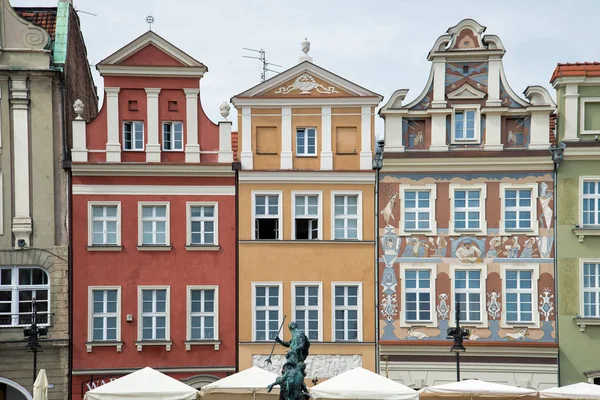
column 379, row 44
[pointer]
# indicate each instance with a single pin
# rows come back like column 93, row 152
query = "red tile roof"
column 40, row 16
column 576, row 69
column 553, row 140
column 234, row 145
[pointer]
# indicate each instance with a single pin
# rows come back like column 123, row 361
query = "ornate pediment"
column 305, row 84
column 466, row 91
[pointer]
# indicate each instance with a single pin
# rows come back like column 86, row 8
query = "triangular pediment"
column 466, row 91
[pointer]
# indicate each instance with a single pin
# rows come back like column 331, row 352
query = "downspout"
column 377, row 165
column 236, row 166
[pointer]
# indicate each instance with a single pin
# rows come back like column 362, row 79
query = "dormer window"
column 133, row 136
column 465, row 126
column 172, row 136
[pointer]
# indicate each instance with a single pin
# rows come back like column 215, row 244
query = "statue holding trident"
column 291, row 381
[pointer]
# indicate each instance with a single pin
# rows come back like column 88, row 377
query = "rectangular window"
column 18, row 287
column 417, row 210
column 307, row 217
column 347, row 216
column 467, row 291
column 202, row 228
column 591, row 290
column 464, row 125
column 417, row 295
column 203, row 309
column 173, row 136
column 306, row 142
column 519, row 296
column 590, row 116
column 467, row 210
column 133, row 135
column 266, row 311
column 267, row 217
column 155, row 314
column 591, row 203
column 105, row 315
column 518, row 209
column 105, row 224
column 347, row 303
column 154, row 224
column 307, row 305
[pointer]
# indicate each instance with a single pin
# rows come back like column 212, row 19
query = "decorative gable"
column 151, row 55
column 306, row 84
column 466, row 91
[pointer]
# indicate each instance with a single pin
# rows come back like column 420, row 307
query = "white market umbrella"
column 359, row 383
column 576, row 391
column 475, row 388
column 252, row 380
column 145, row 383
column 40, row 386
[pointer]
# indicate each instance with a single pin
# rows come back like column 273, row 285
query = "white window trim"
column 581, row 262
column 320, row 285
column 91, row 225
column 141, row 204
column 279, row 210
column 582, row 179
column 91, row 290
column 535, row 276
column 466, row 107
column 482, row 187
column 582, row 102
column 15, row 299
column 306, row 142
column 534, row 204
column 280, row 313
column 189, row 289
column 483, row 299
column 168, row 316
column 359, row 210
column 133, row 149
column 172, row 133
column 318, row 193
column 432, row 202
column 188, row 219
column 433, row 278
column 360, row 311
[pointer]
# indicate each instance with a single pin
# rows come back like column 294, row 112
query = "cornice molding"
column 306, row 177
column 196, row 170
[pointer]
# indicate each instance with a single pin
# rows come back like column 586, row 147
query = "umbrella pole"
column 254, row 395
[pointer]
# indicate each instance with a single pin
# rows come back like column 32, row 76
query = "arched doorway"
column 198, row 381
column 10, row 390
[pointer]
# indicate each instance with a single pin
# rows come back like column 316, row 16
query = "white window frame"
column 482, row 295
column 305, row 149
column 535, row 276
column 281, row 305
column 189, row 315
column 140, row 323
column 319, row 194
column 482, row 187
column 534, row 215
column 92, row 204
column 133, row 148
column 359, row 210
column 15, row 289
column 188, row 219
column 432, row 268
column 359, row 315
column 172, row 123
column 583, row 261
column 463, row 108
column 142, row 204
column 582, row 180
column 91, row 290
column 582, row 102
column 279, row 209
column 432, row 188
column 320, row 307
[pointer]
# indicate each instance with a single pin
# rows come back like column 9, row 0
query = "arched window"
column 18, row 286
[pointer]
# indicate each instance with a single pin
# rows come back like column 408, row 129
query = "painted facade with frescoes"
column 466, row 215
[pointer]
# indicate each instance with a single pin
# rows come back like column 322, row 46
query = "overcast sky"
column 381, row 44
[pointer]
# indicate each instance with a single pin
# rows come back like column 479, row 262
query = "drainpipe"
column 377, row 165
column 236, row 166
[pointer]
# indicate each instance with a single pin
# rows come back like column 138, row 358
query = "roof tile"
column 576, row 69
column 43, row 17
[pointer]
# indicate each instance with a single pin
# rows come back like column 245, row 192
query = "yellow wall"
column 345, row 161
column 272, row 119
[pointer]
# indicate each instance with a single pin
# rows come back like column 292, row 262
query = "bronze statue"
column 291, row 381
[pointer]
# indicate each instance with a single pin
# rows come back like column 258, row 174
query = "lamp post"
column 458, row 334
column 33, row 334
column 377, row 165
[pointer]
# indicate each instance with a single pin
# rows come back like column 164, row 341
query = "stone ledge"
column 584, row 322
column 190, row 343
column 581, row 233
column 117, row 344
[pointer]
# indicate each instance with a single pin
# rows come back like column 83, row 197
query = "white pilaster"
column 494, row 66
column 438, row 132
column 225, row 153
column 539, row 138
column 113, row 142
column 152, row 144
column 571, row 105
column 493, row 131
column 22, row 226
column 366, row 136
column 393, row 134
column 326, row 134
column 246, row 154
column 79, row 152
column 192, row 148
column 286, row 138
column 439, row 83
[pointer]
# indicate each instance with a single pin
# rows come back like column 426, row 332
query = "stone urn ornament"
column 224, row 109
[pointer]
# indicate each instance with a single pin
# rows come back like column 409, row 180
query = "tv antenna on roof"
column 264, row 65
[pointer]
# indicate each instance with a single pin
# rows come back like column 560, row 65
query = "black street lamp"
column 458, row 334
column 377, row 165
column 33, row 334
